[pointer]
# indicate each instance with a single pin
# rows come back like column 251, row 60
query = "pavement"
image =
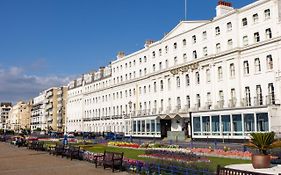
column 21, row 161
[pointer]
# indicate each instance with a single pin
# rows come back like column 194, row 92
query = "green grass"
column 133, row 154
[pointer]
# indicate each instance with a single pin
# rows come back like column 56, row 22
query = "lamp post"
column 131, row 125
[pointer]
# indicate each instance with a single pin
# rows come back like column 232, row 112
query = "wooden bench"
column 111, row 160
column 73, row 152
column 229, row 171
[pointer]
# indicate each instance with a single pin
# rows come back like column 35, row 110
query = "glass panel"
column 237, row 124
column 143, row 126
column 139, row 126
column 262, row 122
column 215, row 123
column 249, row 122
column 206, row 123
column 152, row 125
column 147, row 126
column 158, row 126
column 196, row 124
column 225, row 124
column 135, row 126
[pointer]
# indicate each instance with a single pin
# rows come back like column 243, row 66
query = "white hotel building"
column 216, row 78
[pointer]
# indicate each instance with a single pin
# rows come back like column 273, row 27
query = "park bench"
column 229, row 171
column 72, row 152
column 36, row 145
column 57, row 150
column 112, row 160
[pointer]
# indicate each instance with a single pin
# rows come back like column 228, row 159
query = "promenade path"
column 21, row 161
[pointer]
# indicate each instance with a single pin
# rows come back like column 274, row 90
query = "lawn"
column 133, row 154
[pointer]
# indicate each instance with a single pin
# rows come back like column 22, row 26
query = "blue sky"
column 45, row 43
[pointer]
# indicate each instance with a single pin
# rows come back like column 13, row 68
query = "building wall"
column 154, row 79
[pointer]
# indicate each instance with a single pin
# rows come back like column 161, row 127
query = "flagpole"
column 185, row 10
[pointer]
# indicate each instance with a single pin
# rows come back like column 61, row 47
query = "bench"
column 57, row 150
column 111, row 160
column 229, row 171
column 36, row 145
column 73, row 152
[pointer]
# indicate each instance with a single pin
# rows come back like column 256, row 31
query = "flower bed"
column 222, row 153
column 124, row 144
column 183, row 156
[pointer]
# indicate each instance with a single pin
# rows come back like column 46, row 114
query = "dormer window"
column 166, row 49
column 268, row 33
column 229, row 26
column 160, row 52
column 153, row 54
column 218, row 31
column 257, row 37
column 194, row 54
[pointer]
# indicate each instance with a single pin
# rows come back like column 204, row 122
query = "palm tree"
column 263, row 142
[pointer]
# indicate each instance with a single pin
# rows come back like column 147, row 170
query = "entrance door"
column 165, row 127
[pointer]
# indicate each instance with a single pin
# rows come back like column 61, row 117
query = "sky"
column 46, row 43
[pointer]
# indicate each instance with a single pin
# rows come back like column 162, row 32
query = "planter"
column 261, row 161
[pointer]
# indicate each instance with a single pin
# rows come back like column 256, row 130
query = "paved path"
column 20, row 161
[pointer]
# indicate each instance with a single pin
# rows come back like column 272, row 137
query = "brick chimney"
column 120, row 55
column 223, row 7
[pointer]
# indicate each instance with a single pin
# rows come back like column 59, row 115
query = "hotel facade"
column 216, row 78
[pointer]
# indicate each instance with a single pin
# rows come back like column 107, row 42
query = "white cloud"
column 16, row 85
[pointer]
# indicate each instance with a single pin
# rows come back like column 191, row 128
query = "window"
column 160, row 52
column 205, row 51
column 255, row 18
column 194, row 54
column 169, row 83
column 245, row 40
column 178, row 103
column 248, row 96
column 229, row 26
column 271, row 95
column 184, row 57
column 220, row 76
column 204, row 35
column 161, row 85
column 208, row 75
column 262, row 122
column 257, row 65
column 160, row 65
column 140, row 72
column 193, row 39
column 188, row 101
column 258, row 99
column 153, row 67
column 153, row 54
column 246, row 68
column 145, row 59
column 221, row 99
column 145, row 72
column 144, row 90
column 218, row 31
column 187, row 80
column 218, row 47
column 267, row 14
column 257, row 37
column 166, row 49
column 184, row 42
column 130, row 64
column 268, row 33
column 229, row 44
column 198, row 100
column 197, row 76
column 232, row 70
column 175, row 46
column 167, row 63
column 178, row 82
column 269, row 62
column 140, row 60
column 244, row 22
column 154, row 87
column 175, row 60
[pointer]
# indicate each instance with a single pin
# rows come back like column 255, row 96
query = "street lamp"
column 131, row 125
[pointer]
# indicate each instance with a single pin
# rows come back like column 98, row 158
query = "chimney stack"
column 147, row 43
column 223, row 7
column 120, row 55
